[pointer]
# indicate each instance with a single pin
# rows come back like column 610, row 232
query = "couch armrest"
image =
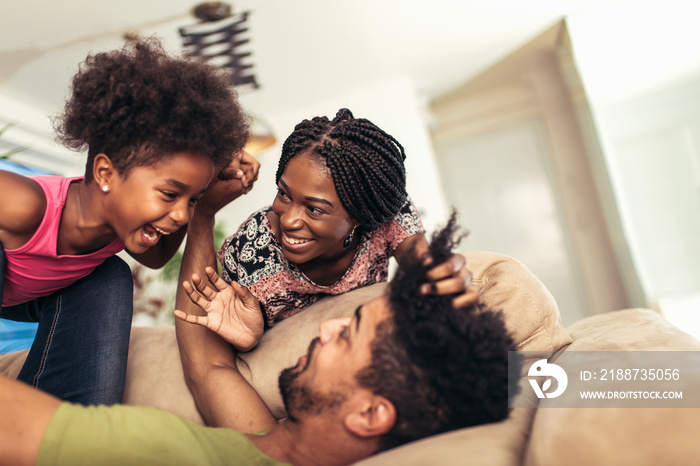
column 579, row 435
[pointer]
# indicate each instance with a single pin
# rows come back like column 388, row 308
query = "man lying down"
column 404, row 367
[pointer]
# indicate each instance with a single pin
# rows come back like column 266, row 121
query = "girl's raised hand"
column 230, row 182
column 451, row 277
column 250, row 167
column 231, row 310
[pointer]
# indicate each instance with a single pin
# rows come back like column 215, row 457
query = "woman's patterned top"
column 253, row 257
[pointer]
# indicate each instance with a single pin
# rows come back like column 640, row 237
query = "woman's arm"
column 417, row 243
column 22, row 207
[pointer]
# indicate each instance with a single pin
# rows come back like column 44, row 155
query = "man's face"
column 325, row 376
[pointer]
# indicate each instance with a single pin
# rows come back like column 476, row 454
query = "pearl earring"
column 105, row 188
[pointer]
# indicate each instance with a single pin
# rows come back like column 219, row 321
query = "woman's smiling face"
column 312, row 223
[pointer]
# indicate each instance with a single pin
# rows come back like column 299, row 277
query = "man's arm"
column 26, row 413
column 223, row 396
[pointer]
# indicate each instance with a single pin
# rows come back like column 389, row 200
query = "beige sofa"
column 530, row 436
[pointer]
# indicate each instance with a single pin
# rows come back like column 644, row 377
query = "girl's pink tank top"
column 35, row 269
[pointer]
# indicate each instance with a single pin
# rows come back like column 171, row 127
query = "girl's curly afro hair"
column 138, row 104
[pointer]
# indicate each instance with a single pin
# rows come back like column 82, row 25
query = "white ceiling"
column 302, row 49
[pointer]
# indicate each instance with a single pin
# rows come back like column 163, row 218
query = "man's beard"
column 299, row 398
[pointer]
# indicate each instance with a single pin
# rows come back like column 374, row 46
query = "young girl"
column 341, row 212
column 156, row 128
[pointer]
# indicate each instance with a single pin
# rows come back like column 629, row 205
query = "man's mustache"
column 312, row 346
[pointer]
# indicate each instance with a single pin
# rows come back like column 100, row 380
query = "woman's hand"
column 232, row 311
column 451, row 277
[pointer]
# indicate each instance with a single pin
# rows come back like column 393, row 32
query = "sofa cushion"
column 530, row 312
column 11, row 363
column 577, row 435
column 154, row 373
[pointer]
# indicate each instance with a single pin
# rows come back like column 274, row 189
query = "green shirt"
column 130, row 435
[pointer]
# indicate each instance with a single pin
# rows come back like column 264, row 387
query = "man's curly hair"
column 138, row 104
column 442, row 368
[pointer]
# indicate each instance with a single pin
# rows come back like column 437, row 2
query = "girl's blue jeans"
column 80, row 349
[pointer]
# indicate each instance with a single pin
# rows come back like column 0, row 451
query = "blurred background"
column 565, row 132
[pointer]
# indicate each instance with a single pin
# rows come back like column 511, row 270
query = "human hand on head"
column 243, row 167
column 230, row 182
column 232, row 310
column 450, row 277
column 250, row 167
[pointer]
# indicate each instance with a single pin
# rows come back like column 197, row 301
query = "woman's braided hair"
column 366, row 163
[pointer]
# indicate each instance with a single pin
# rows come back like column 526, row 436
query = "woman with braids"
column 157, row 129
column 341, row 212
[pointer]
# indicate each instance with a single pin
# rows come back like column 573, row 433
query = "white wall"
column 640, row 65
column 629, row 47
